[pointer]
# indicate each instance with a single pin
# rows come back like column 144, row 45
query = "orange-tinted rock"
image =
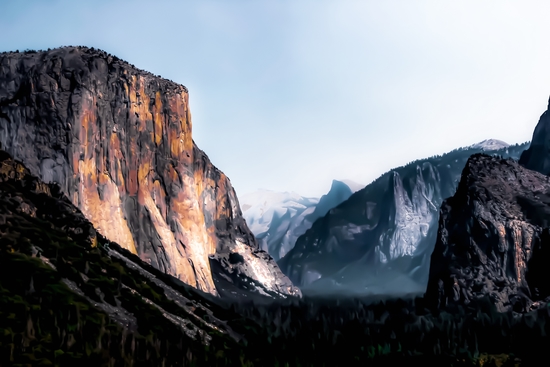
column 118, row 141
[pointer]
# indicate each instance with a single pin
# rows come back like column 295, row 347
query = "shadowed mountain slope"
column 68, row 295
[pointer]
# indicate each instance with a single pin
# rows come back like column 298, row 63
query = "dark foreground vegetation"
column 66, row 300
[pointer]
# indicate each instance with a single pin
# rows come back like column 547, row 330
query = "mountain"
column 493, row 237
column 277, row 219
column 494, row 232
column 490, row 144
column 70, row 296
column 379, row 241
column 118, row 141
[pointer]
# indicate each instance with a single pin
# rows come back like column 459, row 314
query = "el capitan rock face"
column 118, row 141
column 494, row 237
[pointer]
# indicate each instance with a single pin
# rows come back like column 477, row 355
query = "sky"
column 288, row 95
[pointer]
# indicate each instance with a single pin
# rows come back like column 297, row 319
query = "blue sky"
column 288, row 95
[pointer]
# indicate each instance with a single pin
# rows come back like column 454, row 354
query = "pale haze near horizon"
column 289, row 95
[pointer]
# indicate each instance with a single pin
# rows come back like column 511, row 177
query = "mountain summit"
column 490, row 144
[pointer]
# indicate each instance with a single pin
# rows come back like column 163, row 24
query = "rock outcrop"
column 493, row 237
column 118, row 142
column 380, row 240
column 537, row 157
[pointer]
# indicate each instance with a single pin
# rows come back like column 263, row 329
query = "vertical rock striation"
column 118, row 141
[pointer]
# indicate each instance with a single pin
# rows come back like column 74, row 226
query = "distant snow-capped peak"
column 490, row 144
column 261, row 206
column 277, row 219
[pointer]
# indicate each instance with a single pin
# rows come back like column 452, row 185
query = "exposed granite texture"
column 118, row 142
column 494, row 237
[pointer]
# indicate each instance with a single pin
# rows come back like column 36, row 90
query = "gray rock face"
column 379, row 241
column 118, row 141
column 537, row 157
column 493, row 237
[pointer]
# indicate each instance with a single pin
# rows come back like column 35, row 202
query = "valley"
column 121, row 244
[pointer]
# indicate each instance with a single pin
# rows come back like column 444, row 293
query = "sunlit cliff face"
column 118, row 141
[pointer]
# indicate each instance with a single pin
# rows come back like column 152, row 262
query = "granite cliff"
column 494, row 232
column 118, row 142
column 493, row 237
